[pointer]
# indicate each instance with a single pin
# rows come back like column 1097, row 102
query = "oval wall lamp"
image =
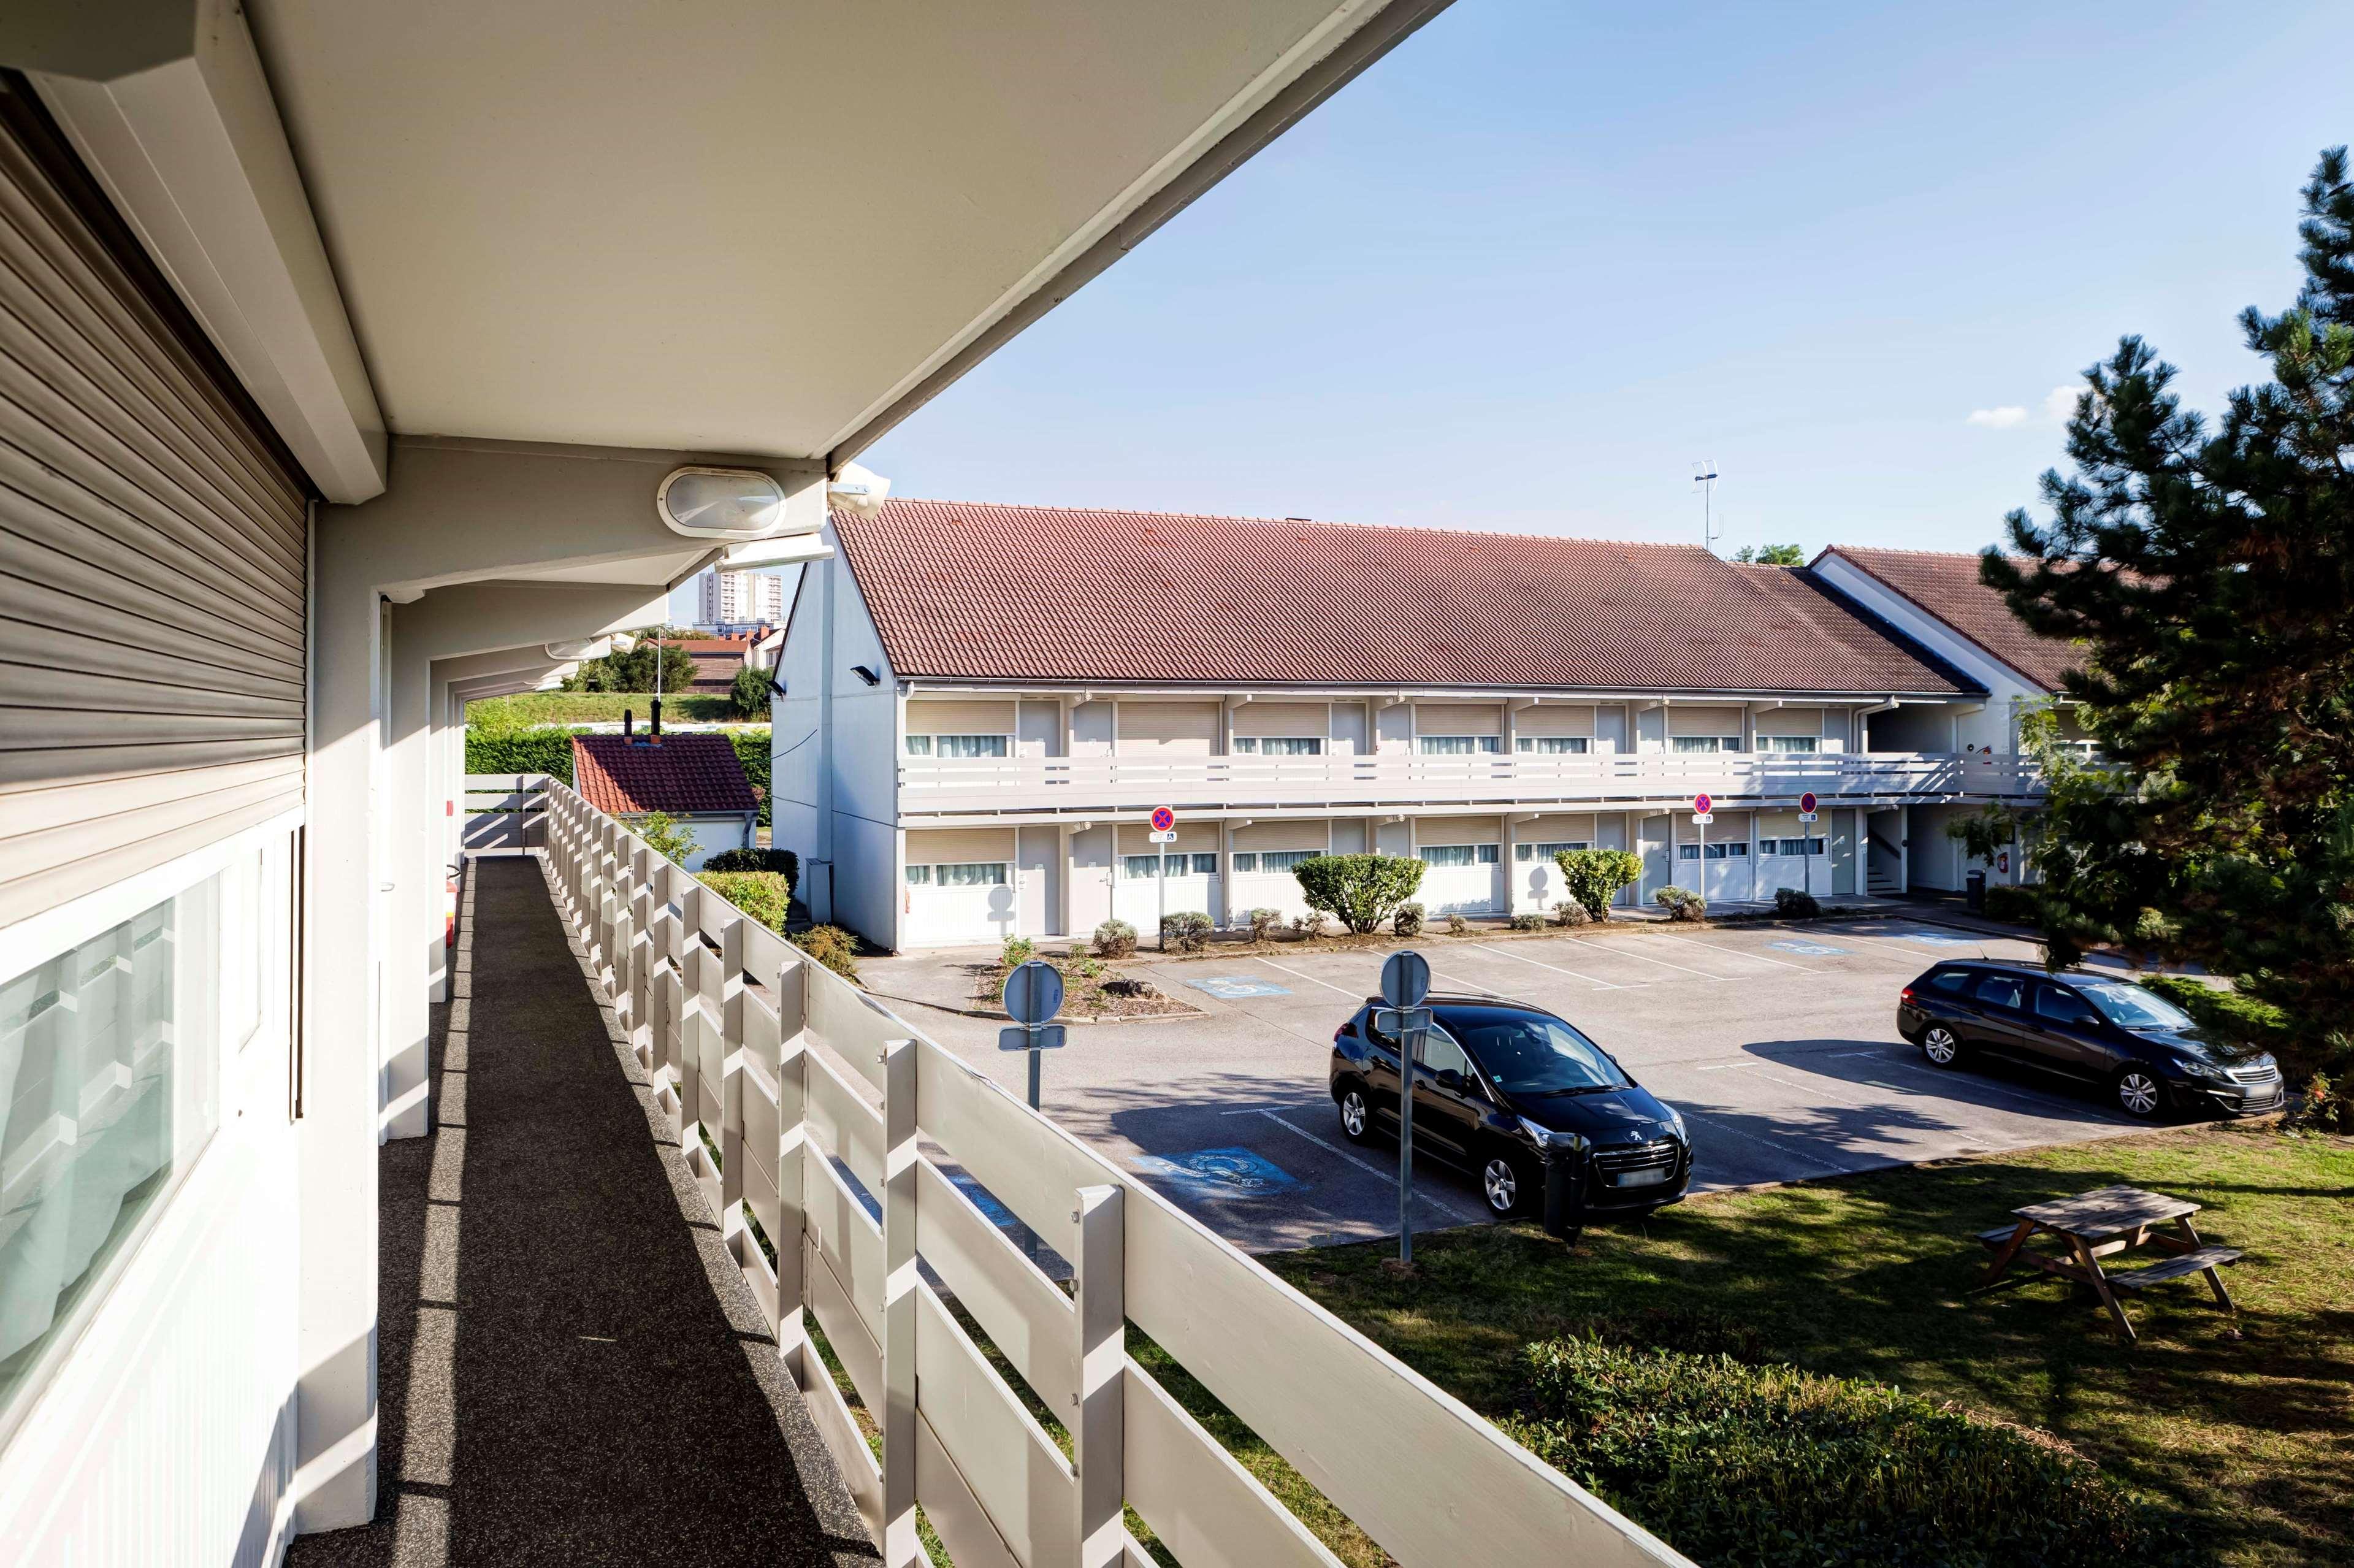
column 720, row 502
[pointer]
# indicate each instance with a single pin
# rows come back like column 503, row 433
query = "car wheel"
column 2139, row 1094
column 1504, row 1184
column 1356, row 1117
column 1937, row 1043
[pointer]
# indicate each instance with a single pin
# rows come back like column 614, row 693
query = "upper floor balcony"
column 1048, row 788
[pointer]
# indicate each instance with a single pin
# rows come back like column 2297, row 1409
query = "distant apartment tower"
column 738, row 599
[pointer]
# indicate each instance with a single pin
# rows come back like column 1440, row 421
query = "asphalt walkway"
column 571, row 1368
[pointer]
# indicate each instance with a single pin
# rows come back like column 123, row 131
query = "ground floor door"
column 1192, row 888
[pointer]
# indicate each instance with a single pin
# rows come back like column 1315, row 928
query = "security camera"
column 857, row 490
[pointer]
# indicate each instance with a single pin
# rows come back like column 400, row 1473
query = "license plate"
column 1650, row 1178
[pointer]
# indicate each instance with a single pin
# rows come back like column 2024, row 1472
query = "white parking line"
column 1311, row 980
column 1628, row 942
column 1764, row 1142
column 1369, row 1166
column 1600, row 984
column 1922, row 952
column 1738, row 953
column 2028, row 1098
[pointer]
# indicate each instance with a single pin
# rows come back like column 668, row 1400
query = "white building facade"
column 958, row 759
column 731, row 600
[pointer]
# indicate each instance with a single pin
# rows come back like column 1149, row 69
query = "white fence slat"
column 1006, row 1457
column 844, row 1234
column 956, row 1516
column 842, row 1016
column 845, row 1331
column 1023, row 1161
column 1018, row 1308
column 1098, row 1436
column 902, row 1547
column 829, row 1413
column 850, row 1129
column 1204, row 1506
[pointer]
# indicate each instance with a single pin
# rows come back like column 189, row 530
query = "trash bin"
column 1976, row 883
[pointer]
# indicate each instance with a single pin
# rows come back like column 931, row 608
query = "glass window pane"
column 919, row 746
column 1716, row 851
column 1693, row 743
column 976, row 874
column 1688, row 851
column 969, row 745
column 1735, row 849
column 1488, row 854
column 1140, row 867
column 919, row 876
column 1284, row 859
column 1206, row 865
column 1292, row 746
column 1787, row 744
column 110, row 1080
column 1558, row 745
column 1491, row 744
column 1446, row 855
column 1245, row 862
column 1449, row 745
column 1245, row 745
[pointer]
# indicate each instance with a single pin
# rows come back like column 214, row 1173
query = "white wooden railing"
column 810, row 1091
column 1016, row 786
column 503, row 810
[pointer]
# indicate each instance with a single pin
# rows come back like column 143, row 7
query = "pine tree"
column 2208, row 575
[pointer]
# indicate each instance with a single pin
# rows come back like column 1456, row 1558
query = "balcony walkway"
column 570, row 1374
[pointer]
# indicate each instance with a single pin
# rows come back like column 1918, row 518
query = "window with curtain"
column 966, row 746
column 1789, row 744
column 1547, row 851
column 1705, row 745
column 1790, row 846
column 973, row 873
column 919, row 876
column 1451, row 854
column 1283, row 860
column 1279, row 744
column 110, row 1084
column 1553, row 745
column 1244, row 862
column 1461, row 745
column 1140, row 867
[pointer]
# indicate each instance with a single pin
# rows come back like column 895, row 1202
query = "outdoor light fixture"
column 865, row 675
column 721, row 503
column 581, row 648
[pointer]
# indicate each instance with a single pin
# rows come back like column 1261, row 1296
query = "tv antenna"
column 1704, row 476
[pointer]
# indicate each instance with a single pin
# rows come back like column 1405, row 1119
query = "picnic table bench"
column 2102, row 1224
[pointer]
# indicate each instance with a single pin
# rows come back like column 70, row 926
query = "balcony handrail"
column 810, row 1091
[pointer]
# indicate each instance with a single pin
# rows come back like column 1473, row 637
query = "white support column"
column 901, row 1282
column 1100, row 1308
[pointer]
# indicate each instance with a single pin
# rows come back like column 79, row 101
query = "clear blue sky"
column 1533, row 265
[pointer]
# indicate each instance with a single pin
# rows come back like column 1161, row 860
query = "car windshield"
column 1530, row 1054
column 2130, row 1007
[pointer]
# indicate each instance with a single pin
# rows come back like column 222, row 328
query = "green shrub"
column 547, row 751
column 1681, row 903
column 1115, row 939
column 765, row 895
column 2012, row 905
column 1593, row 876
column 1187, row 931
column 1019, row 951
column 1264, row 924
column 752, row 750
column 662, row 834
column 1407, row 921
column 1777, row 1468
column 1458, row 926
column 1796, row 903
column 831, row 946
column 748, row 694
column 1570, row 912
column 1360, row 891
column 1529, row 922
column 1308, row 924
column 784, row 862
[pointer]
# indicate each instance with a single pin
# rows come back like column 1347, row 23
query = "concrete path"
column 572, row 1370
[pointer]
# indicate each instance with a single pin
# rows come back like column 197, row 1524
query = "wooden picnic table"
column 2101, row 1223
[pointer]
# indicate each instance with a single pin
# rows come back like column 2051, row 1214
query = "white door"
column 1461, row 879
column 1730, row 880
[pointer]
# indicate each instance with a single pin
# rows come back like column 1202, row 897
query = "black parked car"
column 1501, row 1087
column 2086, row 1025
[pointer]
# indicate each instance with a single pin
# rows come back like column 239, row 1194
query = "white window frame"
column 1473, row 744
column 1553, row 745
column 1701, row 745
column 931, row 739
column 1545, row 852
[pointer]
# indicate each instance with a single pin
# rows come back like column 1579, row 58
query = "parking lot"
column 1778, row 1044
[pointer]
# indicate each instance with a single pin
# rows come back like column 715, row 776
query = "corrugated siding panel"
column 154, row 572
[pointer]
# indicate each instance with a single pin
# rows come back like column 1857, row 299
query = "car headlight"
column 2200, row 1068
column 1548, row 1139
column 1676, row 1120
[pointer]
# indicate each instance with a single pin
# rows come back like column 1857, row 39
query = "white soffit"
column 747, row 225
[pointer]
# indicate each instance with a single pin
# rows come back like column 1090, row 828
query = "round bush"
column 1570, row 912
column 1115, row 939
column 1681, row 903
column 1187, row 931
column 1775, row 1467
column 1407, row 921
column 1796, row 903
column 1529, row 922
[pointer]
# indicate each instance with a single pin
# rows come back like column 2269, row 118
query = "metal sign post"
column 1704, row 813
column 1806, row 804
column 1033, row 993
column 1405, row 983
column 1164, row 833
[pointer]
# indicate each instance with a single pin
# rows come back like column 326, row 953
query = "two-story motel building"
column 983, row 704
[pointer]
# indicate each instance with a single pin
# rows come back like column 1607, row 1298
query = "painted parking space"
column 1235, row 988
column 1222, row 1174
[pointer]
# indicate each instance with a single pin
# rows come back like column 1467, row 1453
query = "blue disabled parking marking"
column 1233, row 988
column 1817, row 948
column 1932, row 939
column 1220, row 1174
column 995, row 1213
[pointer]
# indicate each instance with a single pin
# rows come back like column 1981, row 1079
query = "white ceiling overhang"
column 711, row 225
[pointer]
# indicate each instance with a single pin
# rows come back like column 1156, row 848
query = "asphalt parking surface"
column 1777, row 1043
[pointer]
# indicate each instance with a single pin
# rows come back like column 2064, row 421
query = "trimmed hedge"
column 1359, row 891
column 765, row 895
column 752, row 751
column 2012, row 905
column 1777, row 1468
column 784, row 862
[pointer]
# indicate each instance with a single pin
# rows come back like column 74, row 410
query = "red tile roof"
column 687, row 775
column 985, row 592
column 1945, row 585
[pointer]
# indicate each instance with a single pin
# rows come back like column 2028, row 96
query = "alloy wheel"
column 1352, row 1113
column 2137, row 1092
column 1940, row 1046
column 1502, row 1183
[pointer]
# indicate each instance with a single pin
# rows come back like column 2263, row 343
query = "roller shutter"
column 153, row 556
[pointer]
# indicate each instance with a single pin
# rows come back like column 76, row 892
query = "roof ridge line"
column 1300, row 521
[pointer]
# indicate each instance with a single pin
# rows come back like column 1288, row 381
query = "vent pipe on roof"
column 628, row 725
column 653, row 722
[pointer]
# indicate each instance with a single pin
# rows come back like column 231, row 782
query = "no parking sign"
column 1703, row 810
column 1806, row 804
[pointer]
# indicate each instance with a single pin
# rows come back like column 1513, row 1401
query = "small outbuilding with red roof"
column 694, row 777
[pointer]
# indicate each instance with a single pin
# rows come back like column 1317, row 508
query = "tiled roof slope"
column 1945, row 585
column 686, row 774
column 961, row 590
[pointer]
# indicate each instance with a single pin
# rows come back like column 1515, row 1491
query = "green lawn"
column 2250, row 1440
column 593, row 707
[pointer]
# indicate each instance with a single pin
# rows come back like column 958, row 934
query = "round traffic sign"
column 1702, row 804
column 1163, row 819
column 1034, row 992
column 1806, row 802
column 1406, row 979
